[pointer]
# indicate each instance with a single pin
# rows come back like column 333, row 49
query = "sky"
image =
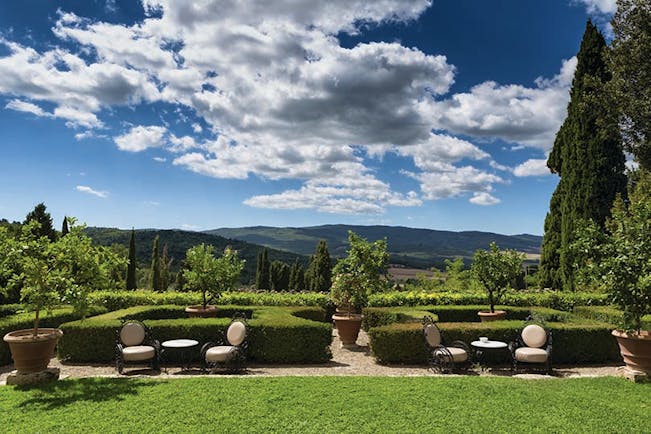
column 198, row 115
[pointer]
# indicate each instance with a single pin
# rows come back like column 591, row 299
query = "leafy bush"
column 276, row 334
column 379, row 316
column 496, row 270
column 607, row 314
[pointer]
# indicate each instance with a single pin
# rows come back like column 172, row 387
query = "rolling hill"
column 419, row 248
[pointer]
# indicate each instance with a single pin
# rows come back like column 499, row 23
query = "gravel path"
column 344, row 362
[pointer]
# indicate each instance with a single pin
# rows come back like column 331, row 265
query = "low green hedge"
column 26, row 320
column 551, row 299
column 587, row 342
column 607, row 314
column 275, row 335
column 10, row 309
column 115, row 300
column 379, row 316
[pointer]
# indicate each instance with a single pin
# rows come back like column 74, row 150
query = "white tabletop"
column 180, row 343
column 489, row 344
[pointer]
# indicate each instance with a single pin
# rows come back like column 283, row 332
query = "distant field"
column 399, row 273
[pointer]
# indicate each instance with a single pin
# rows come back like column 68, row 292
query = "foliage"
column 629, row 56
column 320, row 269
column 587, row 155
column 496, row 270
column 361, row 273
column 154, row 270
column 619, row 258
column 279, row 274
column 131, row 269
column 44, row 219
column 165, row 265
column 64, row 271
column 212, row 276
column 262, row 274
column 297, row 277
column 64, row 227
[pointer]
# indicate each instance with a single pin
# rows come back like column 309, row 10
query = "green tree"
column 44, row 219
column 279, row 276
column 131, row 268
column 64, row 227
column 262, row 280
column 320, row 269
column 165, row 265
column 629, row 62
column 587, row 155
column 154, row 272
column 496, row 270
column 297, row 277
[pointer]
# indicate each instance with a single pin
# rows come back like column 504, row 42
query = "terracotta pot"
column 348, row 327
column 32, row 354
column 199, row 312
column 635, row 350
column 487, row 316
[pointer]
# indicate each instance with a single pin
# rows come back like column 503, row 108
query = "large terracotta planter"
column 348, row 326
column 487, row 316
column 635, row 350
column 32, row 354
column 199, row 312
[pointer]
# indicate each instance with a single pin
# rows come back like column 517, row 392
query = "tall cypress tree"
column 588, row 156
column 262, row 272
column 131, row 266
column 297, row 277
column 320, row 269
column 165, row 265
column 64, row 227
column 154, row 276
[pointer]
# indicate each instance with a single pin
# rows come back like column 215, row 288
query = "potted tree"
column 211, row 276
column 355, row 277
column 495, row 270
column 618, row 259
column 49, row 273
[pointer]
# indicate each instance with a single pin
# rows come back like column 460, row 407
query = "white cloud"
column 190, row 227
column 140, row 138
column 599, row 6
column 27, row 107
column 446, row 181
column 159, row 159
column 88, row 190
column 532, row 167
column 484, row 199
column 197, row 128
column 151, row 203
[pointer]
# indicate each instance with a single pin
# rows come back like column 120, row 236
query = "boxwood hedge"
column 607, row 314
column 276, row 334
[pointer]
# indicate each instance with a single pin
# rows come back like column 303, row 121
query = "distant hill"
column 419, row 248
column 178, row 242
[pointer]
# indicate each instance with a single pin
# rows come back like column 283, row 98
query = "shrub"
column 379, row 316
column 607, row 314
column 276, row 334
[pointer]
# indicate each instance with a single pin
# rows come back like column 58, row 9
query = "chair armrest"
column 118, row 349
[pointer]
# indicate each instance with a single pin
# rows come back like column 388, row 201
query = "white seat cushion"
column 236, row 333
column 222, row 353
column 458, row 354
column 138, row 352
column 530, row 355
column 534, row 336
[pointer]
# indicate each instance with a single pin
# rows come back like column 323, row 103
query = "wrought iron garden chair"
column 229, row 354
column 444, row 358
column 134, row 344
column 532, row 347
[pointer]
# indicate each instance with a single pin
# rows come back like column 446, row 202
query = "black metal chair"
column 228, row 353
column 134, row 344
column 442, row 357
column 532, row 347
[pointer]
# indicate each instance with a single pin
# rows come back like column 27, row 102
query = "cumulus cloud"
column 599, row 6
column 532, row 167
column 88, row 190
column 140, row 138
column 484, row 199
column 27, row 107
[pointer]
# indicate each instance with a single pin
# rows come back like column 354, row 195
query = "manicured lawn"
column 329, row 404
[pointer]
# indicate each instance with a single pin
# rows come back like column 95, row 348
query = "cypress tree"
column 40, row 214
column 165, row 264
column 262, row 273
column 279, row 276
column 320, row 270
column 297, row 277
column 131, row 267
column 64, row 227
column 154, row 279
column 588, row 157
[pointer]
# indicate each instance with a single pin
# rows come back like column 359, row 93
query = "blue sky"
column 435, row 114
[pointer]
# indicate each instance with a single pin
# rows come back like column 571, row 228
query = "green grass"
column 329, row 404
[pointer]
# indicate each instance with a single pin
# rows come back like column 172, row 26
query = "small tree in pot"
column 496, row 270
column 211, row 276
column 355, row 277
column 619, row 260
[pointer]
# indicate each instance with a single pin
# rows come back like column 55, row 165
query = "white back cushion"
column 132, row 334
column 534, row 336
column 432, row 335
column 236, row 333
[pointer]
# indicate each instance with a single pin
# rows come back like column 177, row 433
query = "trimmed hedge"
column 115, row 300
column 589, row 342
column 26, row 320
column 10, row 309
column 552, row 299
column 607, row 314
column 276, row 334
